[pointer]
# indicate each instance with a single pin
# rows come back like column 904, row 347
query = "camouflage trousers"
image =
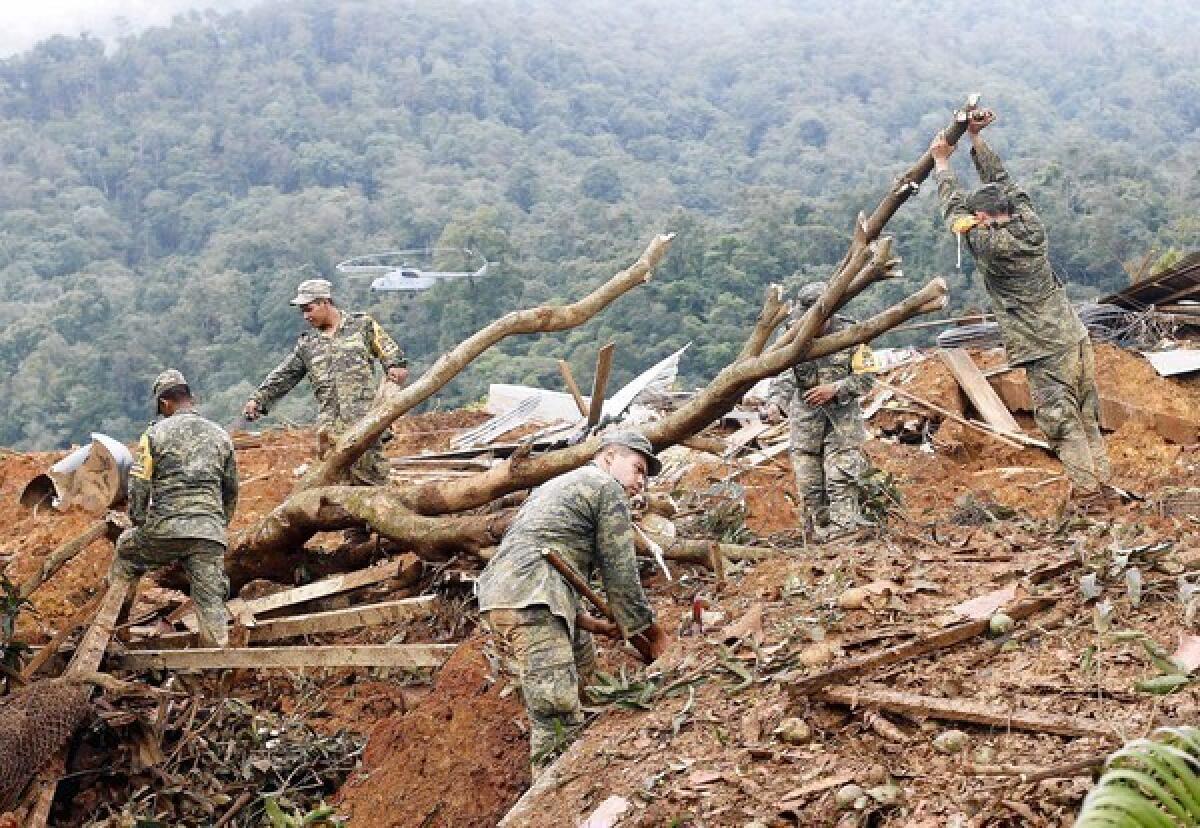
column 1066, row 406
column 827, row 458
column 371, row 468
column 552, row 670
column 204, row 562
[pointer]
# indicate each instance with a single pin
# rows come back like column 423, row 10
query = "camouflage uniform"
column 1040, row 328
column 339, row 368
column 584, row 517
column 183, row 490
column 827, row 440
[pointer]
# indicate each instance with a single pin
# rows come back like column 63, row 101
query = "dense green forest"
column 161, row 197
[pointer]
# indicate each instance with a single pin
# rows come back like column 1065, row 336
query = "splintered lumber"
column 83, row 616
column 298, row 595
column 90, row 651
column 63, row 553
column 760, row 457
column 979, row 391
column 964, row 710
column 932, row 642
column 408, row 656
column 564, row 368
column 1015, row 440
column 600, row 383
column 312, row 623
column 743, row 437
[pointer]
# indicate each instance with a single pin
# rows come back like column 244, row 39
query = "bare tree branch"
column 397, row 401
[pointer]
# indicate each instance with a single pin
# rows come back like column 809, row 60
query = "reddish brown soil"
column 459, row 758
column 456, row 754
column 1128, row 376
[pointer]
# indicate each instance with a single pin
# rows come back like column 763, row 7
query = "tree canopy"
column 159, row 200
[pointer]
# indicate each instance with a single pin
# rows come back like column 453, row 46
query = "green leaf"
column 278, row 818
column 1162, row 685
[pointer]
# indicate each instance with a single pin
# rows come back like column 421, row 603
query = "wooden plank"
column 979, row 392
column 63, row 553
column 926, row 644
column 564, row 368
column 311, row 623
column 298, row 595
column 965, row 710
column 1016, row 440
column 409, row 656
column 744, row 435
column 92, row 646
column 600, row 383
column 760, row 457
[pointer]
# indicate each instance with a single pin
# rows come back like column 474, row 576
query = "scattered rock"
column 848, row 795
column 793, row 731
column 608, row 813
column 950, row 741
column 1000, row 624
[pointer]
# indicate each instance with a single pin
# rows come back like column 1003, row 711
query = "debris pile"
column 969, row 664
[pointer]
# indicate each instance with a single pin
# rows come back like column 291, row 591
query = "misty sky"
column 24, row 22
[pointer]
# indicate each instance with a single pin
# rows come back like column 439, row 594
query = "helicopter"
column 393, row 273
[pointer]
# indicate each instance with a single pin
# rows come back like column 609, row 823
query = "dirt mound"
column 1128, row 377
column 458, row 759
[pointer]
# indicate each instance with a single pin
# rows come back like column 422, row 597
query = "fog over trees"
column 160, row 200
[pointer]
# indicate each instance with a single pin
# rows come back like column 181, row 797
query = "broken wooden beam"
column 310, row 624
column 926, row 644
column 600, row 383
column 63, row 553
column 1016, row 440
column 965, row 710
column 985, row 399
column 564, row 368
column 407, row 656
column 82, row 616
column 299, row 595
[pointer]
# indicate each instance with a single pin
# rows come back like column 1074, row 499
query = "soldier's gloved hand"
column 979, row 119
column 251, row 411
column 596, row 626
column 820, row 395
column 398, row 375
column 771, row 413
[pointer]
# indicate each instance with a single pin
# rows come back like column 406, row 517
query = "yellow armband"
column 143, row 463
column 964, row 225
column 863, row 361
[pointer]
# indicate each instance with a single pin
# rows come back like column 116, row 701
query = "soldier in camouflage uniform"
column 337, row 355
column 183, row 490
column 1041, row 330
column 821, row 400
column 542, row 633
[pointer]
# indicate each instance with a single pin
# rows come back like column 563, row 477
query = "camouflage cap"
column 808, row 294
column 989, row 198
column 311, row 290
column 635, row 441
column 167, row 380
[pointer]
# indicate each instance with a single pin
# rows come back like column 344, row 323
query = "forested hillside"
column 161, row 199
